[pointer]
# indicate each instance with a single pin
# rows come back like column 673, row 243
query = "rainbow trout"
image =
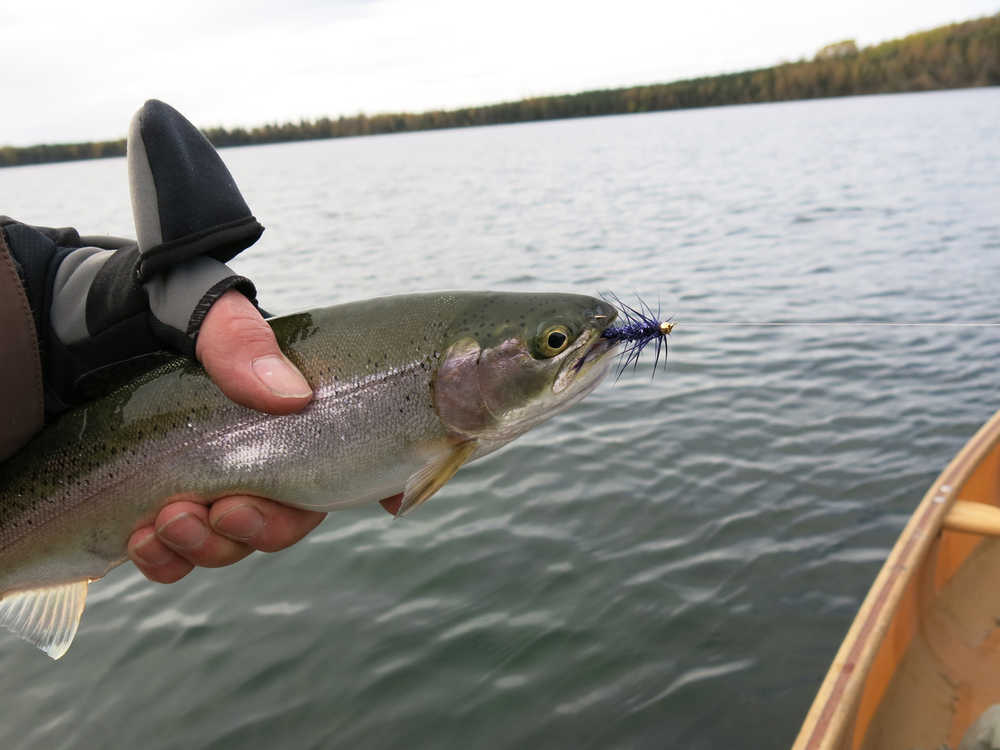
column 407, row 389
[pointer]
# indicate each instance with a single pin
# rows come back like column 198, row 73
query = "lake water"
column 674, row 562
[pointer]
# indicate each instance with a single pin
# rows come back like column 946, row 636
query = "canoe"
column 921, row 662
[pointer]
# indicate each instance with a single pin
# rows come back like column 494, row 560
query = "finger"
column 183, row 527
column 154, row 559
column 262, row 524
column 239, row 351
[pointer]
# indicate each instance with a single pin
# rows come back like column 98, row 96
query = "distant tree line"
column 955, row 56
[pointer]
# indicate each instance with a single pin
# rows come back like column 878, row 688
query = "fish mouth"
column 596, row 350
column 591, row 351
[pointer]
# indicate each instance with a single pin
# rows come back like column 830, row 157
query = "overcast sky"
column 73, row 71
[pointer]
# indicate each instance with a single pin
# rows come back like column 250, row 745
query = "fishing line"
column 854, row 324
column 641, row 326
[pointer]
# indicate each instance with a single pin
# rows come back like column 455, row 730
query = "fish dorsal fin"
column 47, row 617
column 432, row 477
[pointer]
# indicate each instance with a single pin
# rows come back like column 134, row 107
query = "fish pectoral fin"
column 47, row 617
column 391, row 504
column 432, row 477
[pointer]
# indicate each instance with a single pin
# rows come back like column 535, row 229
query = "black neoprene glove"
column 105, row 304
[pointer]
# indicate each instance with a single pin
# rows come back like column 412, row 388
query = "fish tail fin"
column 47, row 617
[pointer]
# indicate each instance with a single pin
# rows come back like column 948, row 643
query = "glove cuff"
column 180, row 299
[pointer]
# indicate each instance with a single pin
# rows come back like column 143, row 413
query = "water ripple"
column 667, row 547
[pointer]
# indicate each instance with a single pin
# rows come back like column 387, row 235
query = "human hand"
column 239, row 352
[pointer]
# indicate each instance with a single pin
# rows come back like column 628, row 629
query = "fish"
column 407, row 389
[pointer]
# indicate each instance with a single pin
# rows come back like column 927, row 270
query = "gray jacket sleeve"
column 94, row 321
column 103, row 308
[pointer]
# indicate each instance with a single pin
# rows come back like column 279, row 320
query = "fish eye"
column 553, row 340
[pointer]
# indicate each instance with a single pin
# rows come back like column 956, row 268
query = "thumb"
column 238, row 349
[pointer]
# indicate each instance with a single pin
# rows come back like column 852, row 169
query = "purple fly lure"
column 639, row 328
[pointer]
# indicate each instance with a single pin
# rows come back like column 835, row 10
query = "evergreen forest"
column 955, row 56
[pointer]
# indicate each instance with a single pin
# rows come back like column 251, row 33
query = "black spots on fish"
column 325, row 371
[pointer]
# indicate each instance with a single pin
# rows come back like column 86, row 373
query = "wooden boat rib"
column 921, row 661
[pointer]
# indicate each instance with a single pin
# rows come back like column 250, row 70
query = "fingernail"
column 151, row 554
column 183, row 531
column 243, row 523
column 280, row 377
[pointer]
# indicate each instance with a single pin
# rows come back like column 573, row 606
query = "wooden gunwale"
column 847, row 698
